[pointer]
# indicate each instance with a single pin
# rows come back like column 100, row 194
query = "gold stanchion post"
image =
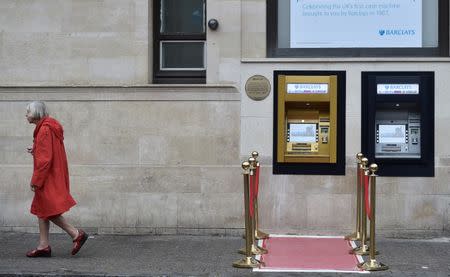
column 248, row 261
column 258, row 233
column 372, row 264
column 357, row 234
column 255, row 249
column 363, row 249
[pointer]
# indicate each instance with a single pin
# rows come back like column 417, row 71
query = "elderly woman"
column 50, row 181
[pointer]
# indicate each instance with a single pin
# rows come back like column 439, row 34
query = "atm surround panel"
column 401, row 102
column 323, row 106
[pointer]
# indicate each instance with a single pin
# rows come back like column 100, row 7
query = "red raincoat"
column 50, row 174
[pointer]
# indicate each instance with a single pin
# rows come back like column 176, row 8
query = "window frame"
column 181, row 68
column 274, row 52
column 181, row 76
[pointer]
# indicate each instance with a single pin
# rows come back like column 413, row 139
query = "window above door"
column 179, row 42
column 378, row 28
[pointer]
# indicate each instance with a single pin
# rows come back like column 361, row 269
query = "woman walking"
column 50, row 181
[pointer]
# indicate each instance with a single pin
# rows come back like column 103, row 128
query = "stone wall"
column 45, row 42
column 166, row 158
column 141, row 159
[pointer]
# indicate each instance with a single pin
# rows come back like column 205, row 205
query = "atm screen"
column 302, row 132
column 392, row 133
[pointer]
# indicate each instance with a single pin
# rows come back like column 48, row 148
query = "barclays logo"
column 400, row 32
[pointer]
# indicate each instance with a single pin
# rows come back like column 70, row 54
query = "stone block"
column 1, row 47
column 229, row 44
column 135, row 179
column 104, row 150
column 147, row 118
column 252, row 21
column 13, row 150
column 417, row 185
column 253, row 29
column 212, row 150
column 441, row 137
column 424, row 212
column 26, row 49
column 210, row 210
column 116, row 209
column 388, row 211
column 213, row 59
column 229, row 70
column 228, row 12
column 111, row 70
column 16, row 179
column 412, row 212
column 154, row 150
column 442, row 180
column 43, row 38
column 254, row 45
column 15, row 209
column 293, row 215
column 32, row 16
column 387, row 185
column 142, row 70
column 257, row 135
column 329, row 211
column 217, row 180
column 103, row 16
column 315, row 184
column 352, row 136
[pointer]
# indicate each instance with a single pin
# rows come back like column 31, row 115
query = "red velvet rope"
column 256, row 181
column 251, row 194
column 366, row 197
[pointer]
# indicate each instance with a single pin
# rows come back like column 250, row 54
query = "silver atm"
column 397, row 134
column 397, row 122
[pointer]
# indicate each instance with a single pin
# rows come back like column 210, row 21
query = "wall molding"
column 121, row 93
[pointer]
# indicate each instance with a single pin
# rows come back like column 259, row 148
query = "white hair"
column 37, row 109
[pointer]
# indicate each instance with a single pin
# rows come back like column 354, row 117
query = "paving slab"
column 182, row 255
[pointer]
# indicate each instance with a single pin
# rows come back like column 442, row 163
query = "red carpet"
column 296, row 253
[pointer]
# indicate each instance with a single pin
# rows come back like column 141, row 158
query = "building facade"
column 157, row 120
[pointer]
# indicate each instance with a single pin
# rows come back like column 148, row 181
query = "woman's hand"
column 30, row 150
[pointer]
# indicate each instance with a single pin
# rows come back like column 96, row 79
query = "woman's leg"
column 44, row 226
column 63, row 224
column 79, row 236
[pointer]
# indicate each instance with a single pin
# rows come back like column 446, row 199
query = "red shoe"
column 79, row 241
column 46, row 252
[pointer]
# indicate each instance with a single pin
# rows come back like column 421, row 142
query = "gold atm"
column 307, row 123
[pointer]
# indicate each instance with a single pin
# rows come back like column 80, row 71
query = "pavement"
column 182, row 255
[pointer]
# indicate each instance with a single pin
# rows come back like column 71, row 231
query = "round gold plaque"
column 257, row 87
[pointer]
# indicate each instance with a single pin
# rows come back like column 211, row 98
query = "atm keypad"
column 324, row 133
column 414, row 136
